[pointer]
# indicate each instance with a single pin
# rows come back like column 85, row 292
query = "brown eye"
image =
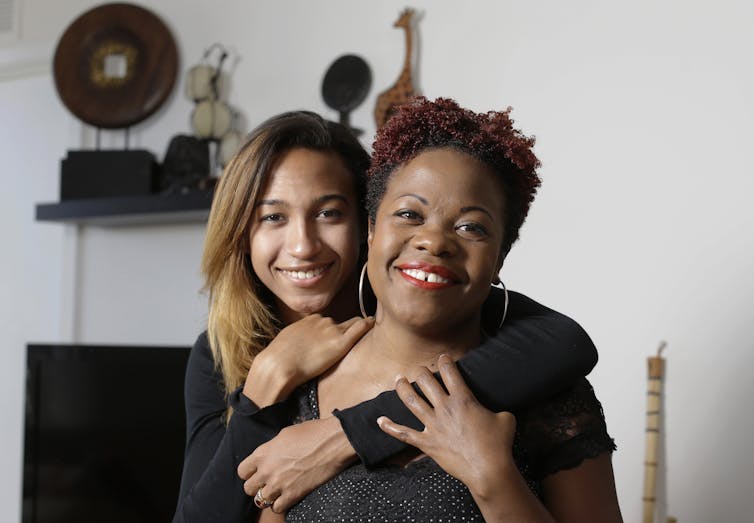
column 330, row 213
column 472, row 230
column 273, row 218
column 407, row 214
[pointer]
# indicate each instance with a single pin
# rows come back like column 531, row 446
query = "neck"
column 406, row 71
column 402, row 349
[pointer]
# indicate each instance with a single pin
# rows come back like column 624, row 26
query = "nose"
column 302, row 239
column 435, row 240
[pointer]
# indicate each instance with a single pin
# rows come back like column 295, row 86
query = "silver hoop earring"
column 505, row 307
column 361, row 291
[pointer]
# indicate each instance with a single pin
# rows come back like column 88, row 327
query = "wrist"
column 341, row 451
column 267, row 383
column 489, row 479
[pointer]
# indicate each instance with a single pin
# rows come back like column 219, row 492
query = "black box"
column 98, row 174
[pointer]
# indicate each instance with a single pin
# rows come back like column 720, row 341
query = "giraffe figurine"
column 403, row 88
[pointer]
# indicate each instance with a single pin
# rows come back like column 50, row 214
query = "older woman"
column 448, row 192
column 283, row 250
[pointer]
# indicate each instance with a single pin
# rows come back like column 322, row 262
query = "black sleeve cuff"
column 360, row 425
column 251, row 426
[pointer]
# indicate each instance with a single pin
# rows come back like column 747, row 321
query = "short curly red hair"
column 489, row 137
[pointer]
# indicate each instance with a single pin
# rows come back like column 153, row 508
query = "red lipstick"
column 442, row 272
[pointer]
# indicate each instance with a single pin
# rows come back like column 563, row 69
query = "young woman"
column 283, row 252
column 448, row 192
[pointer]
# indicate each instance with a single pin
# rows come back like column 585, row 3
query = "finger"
column 250, row 486
column 246, row 468
column 281, row 504
column 270, row 492
column 418, row 407
column 355, row 330
column 451, row 377
column 401, row 432
column 430, row 387
column 344, row 325
column 261, row 494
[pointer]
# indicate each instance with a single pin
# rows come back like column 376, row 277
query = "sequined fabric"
column 554, row 435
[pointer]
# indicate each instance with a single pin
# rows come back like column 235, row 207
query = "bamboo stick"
column 656, row 372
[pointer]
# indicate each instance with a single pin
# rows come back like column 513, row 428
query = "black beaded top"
column 553, row 435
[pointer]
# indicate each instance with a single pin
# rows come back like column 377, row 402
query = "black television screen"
column 104, row 433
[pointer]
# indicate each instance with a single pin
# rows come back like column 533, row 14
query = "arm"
column 469, row 442
column 584, row 494
column 210, row 489
column 565, row 438
column 536, row 353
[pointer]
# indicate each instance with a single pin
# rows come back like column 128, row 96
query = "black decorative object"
column 186, row 164
column 346, row 85
column 99, row 174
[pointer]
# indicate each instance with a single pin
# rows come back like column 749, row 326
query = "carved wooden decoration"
column 403, row 88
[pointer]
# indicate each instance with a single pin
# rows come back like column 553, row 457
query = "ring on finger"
column 260, row 501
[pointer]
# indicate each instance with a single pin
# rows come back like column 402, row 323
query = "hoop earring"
column 361, row 291
column 505, row 307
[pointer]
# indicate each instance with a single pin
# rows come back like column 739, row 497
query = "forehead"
column 300, row 174
column 448, row 177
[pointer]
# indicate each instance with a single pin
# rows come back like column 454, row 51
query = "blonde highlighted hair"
column 242, row 319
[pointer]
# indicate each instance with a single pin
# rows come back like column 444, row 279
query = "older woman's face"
column 304, row 235
column 435, row 246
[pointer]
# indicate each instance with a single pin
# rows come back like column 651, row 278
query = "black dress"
column 553, row 435
column 538, row 352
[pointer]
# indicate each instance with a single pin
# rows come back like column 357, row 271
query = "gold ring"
column 260, row 501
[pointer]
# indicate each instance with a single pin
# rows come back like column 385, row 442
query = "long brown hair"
column 242, row 319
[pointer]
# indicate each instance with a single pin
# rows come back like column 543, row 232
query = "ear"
column 499, row 265
column 370, row 234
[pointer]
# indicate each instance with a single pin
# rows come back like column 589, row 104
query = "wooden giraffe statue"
column 403, row 88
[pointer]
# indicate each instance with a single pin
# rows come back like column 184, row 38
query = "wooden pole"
column 656, row 373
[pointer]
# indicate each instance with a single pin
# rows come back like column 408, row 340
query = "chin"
column 312, row 306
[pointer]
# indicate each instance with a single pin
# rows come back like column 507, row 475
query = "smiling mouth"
column 428, row 277
column 308, row 274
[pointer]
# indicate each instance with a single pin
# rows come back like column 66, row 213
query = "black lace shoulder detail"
column 560, row 433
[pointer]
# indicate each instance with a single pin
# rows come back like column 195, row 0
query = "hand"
column 296, row 461
column 299, row 352
column 468, row 441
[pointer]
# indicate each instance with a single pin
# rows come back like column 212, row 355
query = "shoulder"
column 559, row 433
column 204, row 384
column 200, row 358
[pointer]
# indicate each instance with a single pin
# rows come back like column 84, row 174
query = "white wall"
column 643, row 111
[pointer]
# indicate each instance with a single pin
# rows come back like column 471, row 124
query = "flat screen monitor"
column 104, row 433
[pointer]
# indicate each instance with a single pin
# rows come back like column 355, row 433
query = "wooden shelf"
column 191, row 207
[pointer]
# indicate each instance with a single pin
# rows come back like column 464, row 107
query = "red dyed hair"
column 422, row 124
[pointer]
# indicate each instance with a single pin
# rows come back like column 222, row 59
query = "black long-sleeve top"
column 537, row 353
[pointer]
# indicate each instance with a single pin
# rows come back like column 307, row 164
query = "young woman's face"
column 304, row 235
column 435, row 246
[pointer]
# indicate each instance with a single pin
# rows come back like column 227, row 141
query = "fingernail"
column 380, row 420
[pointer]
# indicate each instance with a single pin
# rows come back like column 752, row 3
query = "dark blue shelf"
column 129, row 210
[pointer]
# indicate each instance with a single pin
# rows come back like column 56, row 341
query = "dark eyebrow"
column 412, row 195
column 477, row 208
column 269, row 202
column 463, row 209
column 328, row 197
column 322, row 199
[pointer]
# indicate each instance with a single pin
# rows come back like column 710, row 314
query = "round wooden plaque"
column 115, row 65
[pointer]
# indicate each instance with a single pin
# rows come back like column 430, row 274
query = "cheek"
column 262, row 247
column 345, row 240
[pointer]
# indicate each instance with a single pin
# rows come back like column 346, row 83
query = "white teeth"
column 304, row 275
column 430, row 277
